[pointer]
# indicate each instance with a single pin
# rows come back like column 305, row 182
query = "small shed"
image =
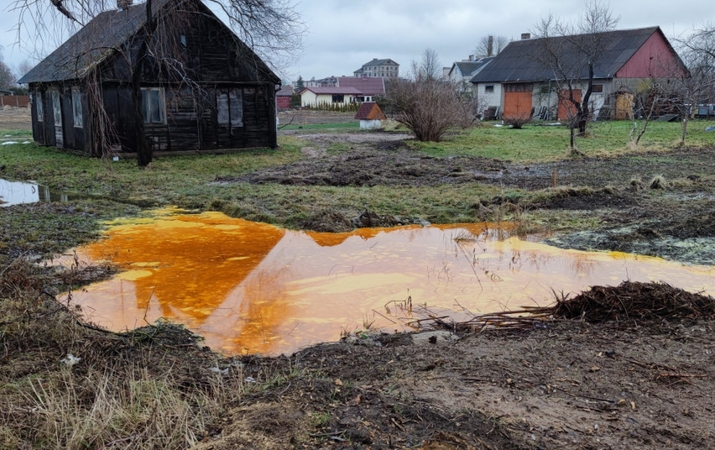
column 284, row 97
column 370, row 116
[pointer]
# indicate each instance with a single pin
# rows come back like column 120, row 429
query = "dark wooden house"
column 201, row 87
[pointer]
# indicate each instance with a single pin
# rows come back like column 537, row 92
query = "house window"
column 153, row 108
column 489, row 89
column 57, row 108
column 183, row 40
column 229, row 107
column 39, row 107
column 338, row 98
column 597, row 88
column 77, row 107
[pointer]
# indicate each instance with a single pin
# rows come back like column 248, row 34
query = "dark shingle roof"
column 91, row 44
column 285, row 91
column 521, row 60
column 378, row 62
column 467, row 68
column 101, row 37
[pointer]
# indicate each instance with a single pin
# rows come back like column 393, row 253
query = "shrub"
column 428, row 107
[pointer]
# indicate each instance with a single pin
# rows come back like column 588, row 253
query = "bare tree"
column 571, row 52
column 698, row 87
column 490, row 45
column 428, row 67
column 24, row 67
column 270, row 28
column 7, row 78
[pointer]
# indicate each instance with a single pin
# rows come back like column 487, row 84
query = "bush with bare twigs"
column 428, row 107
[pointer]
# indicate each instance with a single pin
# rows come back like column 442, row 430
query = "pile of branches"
column 635, row 301
column 632, row 302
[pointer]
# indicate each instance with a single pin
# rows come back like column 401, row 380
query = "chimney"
column 471, row 57
column 124, row 4
column 525, row 36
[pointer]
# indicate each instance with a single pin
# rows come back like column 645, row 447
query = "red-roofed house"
column 370, row 116
column 315, row 96
column 369, row 87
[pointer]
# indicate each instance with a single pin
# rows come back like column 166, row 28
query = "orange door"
column 517, row 104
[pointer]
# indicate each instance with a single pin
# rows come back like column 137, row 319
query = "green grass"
column 15, row 134
column 536, row 143
column 190, row 181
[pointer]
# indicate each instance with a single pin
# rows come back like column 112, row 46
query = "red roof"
column 370, row 111
column 366, row 85
column 332, row 90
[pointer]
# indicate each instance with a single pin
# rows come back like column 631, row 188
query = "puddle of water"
column 17, row 193
column 254, row 288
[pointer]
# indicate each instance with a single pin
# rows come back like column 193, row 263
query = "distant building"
column 369, row 87
column 385, row 68
column 284, row 96
column 323, row 96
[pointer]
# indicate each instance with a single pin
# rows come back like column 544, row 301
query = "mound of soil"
column 369, row 167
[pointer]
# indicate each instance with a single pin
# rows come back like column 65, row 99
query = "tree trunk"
column 144, row 150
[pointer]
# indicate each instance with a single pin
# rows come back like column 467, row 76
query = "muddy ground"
column 628, row 382
column 658, row 204
column 567, row 385
column 14, row 118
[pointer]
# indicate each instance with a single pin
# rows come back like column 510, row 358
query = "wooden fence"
column 15, row 100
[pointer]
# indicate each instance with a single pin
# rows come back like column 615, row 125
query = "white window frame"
column 57, row 107
column 77, row 107
column 229, row 108
column 39, row 106
column 153, row 106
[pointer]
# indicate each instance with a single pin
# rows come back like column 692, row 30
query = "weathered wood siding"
column 212, row 60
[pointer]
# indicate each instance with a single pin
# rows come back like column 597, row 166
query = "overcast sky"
column 343, row 34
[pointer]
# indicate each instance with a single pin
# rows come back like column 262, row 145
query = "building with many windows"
column 385, row 68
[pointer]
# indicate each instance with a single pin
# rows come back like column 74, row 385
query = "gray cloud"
column 343, row 35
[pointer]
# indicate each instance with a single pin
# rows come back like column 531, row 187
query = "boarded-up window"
column 77, row 107
column 39, row 107
column 153, row 108
column 229, row 107
column 57, row 108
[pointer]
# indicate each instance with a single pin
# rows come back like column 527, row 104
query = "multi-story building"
column 385, row 68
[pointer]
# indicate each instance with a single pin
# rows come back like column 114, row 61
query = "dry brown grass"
column 152, row 388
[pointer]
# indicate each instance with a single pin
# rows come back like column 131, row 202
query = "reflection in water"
column 255, row 288
column 17, row 193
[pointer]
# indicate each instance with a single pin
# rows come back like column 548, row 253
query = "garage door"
column 517, row 100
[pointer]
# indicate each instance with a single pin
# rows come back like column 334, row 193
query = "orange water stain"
column 255, row 288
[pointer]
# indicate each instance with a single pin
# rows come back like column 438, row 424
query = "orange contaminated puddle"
column 255, row 288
